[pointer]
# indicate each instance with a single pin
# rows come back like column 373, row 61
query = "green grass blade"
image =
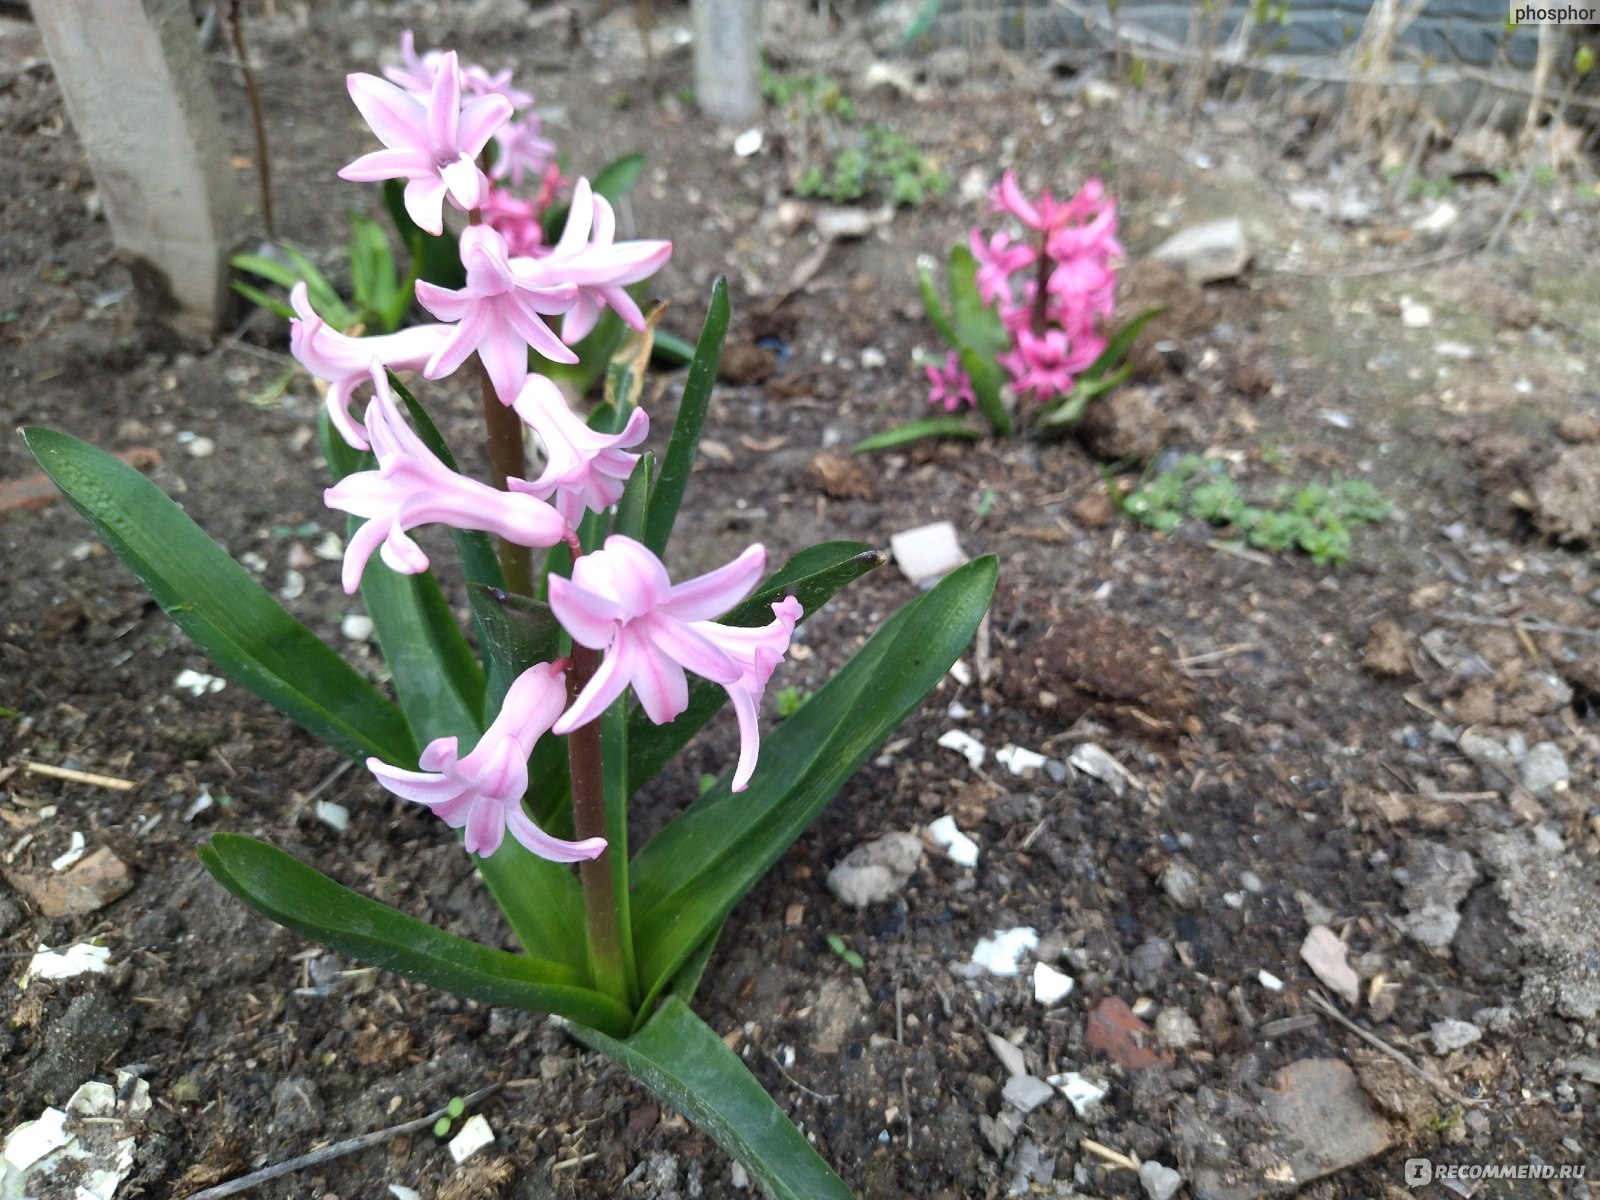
column 682, row 1060
column 225, row 612
column 916, row 431
column 684, row 443
column 305, row 900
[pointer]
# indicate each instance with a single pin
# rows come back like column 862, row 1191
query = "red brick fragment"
column 1124, row 1038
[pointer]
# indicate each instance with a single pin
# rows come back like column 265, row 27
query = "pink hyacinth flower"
column 1046, row 365
column 950, row 385
column 499, row 313
column 586, row 470
column 482, row 792
column 432, row 145
column 345, row 363
column 621, row 600
column 758, row 652
column 998, row 260
column 411, row 487
column 588, row 257
column 417, row 71
column 514, row 219
column 520, row 150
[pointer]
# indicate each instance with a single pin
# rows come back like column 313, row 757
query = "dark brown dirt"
column 1290, row 734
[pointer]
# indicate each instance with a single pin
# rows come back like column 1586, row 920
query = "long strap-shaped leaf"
column 684, row 444
column 696, row 869
column 227, row 614
column 308, row 902
column 682, row 1060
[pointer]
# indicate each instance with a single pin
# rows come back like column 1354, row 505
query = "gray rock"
column 297, row 1106
column 1496, row 764
column 1160, row 1182
column 1450, row 1034
column 1176, row 1028
column 1208, row 253
column 1027, row 1092
column 1150, row 961
column 876, row 871
column 1181, row 882
column 1544, row 769
column 1434, row 880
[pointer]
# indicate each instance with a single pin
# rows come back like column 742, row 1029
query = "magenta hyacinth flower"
column 950, row 385
column 998, row 260
column 514, row 219
column 344, row 363
column 586, row 470
column 411, row 487
column 621, row 600
column 500, row 313
column 758, row 652
column 588, row 257
column 432, row 145
column 482, row 792
column 1046, row 365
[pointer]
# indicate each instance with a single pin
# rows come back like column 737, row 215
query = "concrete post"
column 727, row 56
column 134, row 83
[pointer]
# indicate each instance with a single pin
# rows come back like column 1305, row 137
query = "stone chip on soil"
column 876, row 871
column 1209, row 252
column 86, row 887
column 1326, row 954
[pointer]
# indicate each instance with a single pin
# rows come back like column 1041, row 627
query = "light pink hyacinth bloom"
column 758, row 652
column 949, row 385
column 588, row 256
column 344, row 363
column 621, row 600
column 500, row 313
column 482, row 792
column 521, row 150
column 432, row 145
column 411, row 487
column 586, row 470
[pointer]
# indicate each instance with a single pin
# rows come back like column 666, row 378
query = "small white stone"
column 357, row 627
column 474, row 1136
column 197, row 683
column 966, row 745
column 1019, row 760
column 1097, row 764
column 1414, row 314
column 1450, row 1034
column 78, row 959
column 330, row 548
column 927, row 553
column 32, row 1140
column 1270, row 981
column 873, row 359
column 1160, row 1182
column 1083, row 1094
column 963, row 851
column 336, row 816
column 1027, row 1092
column 960, row 672
column 400, row 1192
column 1051, row 986
column 999, row 955
column 749, row 142
column 201, row 447
column 739, row 1177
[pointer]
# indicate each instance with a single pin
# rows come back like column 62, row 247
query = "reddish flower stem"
column 589, row 820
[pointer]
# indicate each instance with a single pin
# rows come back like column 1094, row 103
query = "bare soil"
column 1298, row 741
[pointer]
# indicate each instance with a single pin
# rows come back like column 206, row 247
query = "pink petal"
column 398, row 120
column 690, row 648
column 609, row 681
column 486, row 827
column 386, row 164
column 553, row 848
column 713, row 594
column 591, row 620
column 443, row 303
column 464, row 183
column 660, row 683
column 479, row 120
column 536, row 333
column 444, row 106
column 580, row 219
column 505, row 357
column 425, row 203
column 744, row 708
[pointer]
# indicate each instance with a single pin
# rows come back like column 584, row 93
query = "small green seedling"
column 842, row 948
column 789, row 699
column 452, row 1112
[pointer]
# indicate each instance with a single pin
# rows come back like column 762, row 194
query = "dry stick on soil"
column 1518, row 623
column 338, row 1150
column 1325, row 1006
column 71, row 776
column 257, row 121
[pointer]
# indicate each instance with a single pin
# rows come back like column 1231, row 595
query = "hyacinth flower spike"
column 482, row 792
column 411, row 487
column 432, row 145
column 588, row 257
column 345, row 363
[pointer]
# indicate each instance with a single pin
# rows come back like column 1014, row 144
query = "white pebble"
column 999, row 955
column 474, row 1136
column 1051, row 986
column 357, row 627
column 963, row 851
column 966, row 745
